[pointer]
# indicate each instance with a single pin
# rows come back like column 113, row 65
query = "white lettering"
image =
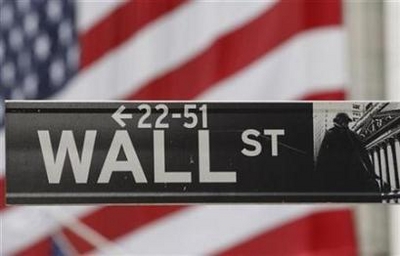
column 205, row 174
column 274, row 139
column 160, row 175
column 251, row 142
column 54, row 165
column 111, row 164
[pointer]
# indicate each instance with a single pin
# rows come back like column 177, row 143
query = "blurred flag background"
column 174, row 50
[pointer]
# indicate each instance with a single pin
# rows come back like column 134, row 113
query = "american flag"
column 173, row 49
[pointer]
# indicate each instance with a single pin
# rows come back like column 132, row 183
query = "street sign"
column 201, row 152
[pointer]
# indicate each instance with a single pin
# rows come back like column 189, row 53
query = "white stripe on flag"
column 91, row 12
column 163, row 45
column 221, row 227
column 313, row 61
column 24, row 226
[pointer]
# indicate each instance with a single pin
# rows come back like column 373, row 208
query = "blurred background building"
column 204, row 50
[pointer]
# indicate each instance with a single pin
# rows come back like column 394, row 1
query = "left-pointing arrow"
column 118, row 116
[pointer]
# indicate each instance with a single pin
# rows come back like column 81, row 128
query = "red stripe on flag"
column 325, row 233
column 326, row 95
column 120, row 25
column 234, row 51
column 2, row 194
column 126, row 219
column 44, row 247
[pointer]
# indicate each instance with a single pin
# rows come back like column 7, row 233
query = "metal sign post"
column 200, row 152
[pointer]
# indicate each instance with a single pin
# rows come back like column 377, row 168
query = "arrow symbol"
column 118, row 116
